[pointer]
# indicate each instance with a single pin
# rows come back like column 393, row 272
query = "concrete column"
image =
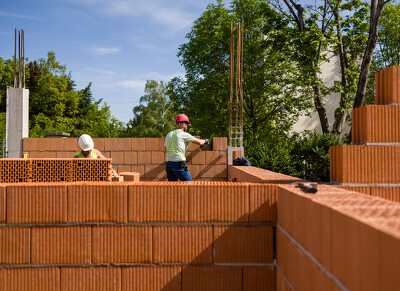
column 17, row 120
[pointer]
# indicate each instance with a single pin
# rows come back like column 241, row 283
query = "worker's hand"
column 206, row 141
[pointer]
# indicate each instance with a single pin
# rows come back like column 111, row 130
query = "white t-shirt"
column 176, row 148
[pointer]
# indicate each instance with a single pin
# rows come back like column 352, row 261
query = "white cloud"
column 100, row 51
column 132, row 84
column 100, row 71
column 8, row 14
column 170, row 14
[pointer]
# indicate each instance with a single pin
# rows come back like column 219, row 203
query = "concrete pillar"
column 17, row 120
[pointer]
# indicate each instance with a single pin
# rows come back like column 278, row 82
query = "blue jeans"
column 175, row 172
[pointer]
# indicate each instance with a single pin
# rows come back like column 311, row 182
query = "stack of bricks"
column 372, row 164
column 257, row 175
column 137, row 236
column 336, row 240
column 145, row 156
column 54, row 170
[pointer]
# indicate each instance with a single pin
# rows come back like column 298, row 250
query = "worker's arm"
column 201, row 141
column 99, row 154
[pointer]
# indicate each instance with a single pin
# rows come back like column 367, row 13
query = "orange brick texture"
column 54, row 170
column 145, row 156
column 372, row 165
column 337, row 239
column 138, row 236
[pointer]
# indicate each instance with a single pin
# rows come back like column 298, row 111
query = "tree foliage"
column 154, row 116
column 272, row 84
column 55, row 104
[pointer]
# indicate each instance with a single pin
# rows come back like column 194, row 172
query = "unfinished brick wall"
column 372, row 164
column 137, row 236
column 143, row 155
column 336, row 240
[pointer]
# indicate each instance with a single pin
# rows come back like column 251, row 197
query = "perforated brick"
column 37, row 203
column 91, row 170
column 15, row 245
column 387, row 86
column 91, row 278
column 61, row 245
column 32, row 279
column 15, row 170
column 182, row 244
column 122, row 244
column 151, row 278
column 51, row 170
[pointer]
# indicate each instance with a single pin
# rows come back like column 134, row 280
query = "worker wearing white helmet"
column 87, row 151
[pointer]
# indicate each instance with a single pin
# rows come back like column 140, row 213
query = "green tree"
column 154, row 116
column 55, row 104
column 272, row 91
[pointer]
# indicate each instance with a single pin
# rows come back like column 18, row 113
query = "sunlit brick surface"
column 15, row 170
column 32, row 279
column 387, row 86
column 91, row 278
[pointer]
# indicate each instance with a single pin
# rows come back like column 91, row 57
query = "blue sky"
column 115, row 44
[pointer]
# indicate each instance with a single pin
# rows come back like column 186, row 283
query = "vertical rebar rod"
column 19, row 59
column 15, row 59
column 23, row 57
column 231, row 86
column 241, row 84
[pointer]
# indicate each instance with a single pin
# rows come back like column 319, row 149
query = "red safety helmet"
column 182, row 118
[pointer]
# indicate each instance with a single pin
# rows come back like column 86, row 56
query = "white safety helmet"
column 85, row 142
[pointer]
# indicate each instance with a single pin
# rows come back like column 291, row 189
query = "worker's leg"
column 183, row 174
column 171, row 168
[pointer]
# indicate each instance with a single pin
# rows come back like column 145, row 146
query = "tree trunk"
column 376, row 13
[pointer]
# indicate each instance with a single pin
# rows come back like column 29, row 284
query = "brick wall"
column 137, row 236
column 372, row 164
column 143, row 155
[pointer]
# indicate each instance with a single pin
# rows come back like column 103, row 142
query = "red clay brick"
column 43, row 144
column 369, row 258
column 218, row 202
column 197, row 171
column 138, row 169
column 90, row 278
column 157, row 157
column 3, row 203
column 122, row 244
column 29, row 144
column 193, row 147
column 389, row 264
column 42, row 154
column 33, row 279
column 259, row 278
column 97, row 203
column 158, row 202
column 221, row 278
column 243, row 244
column 282, row 285
column 220, row 171
column 144, row 157
column 56, row 143
column 118, row 157
column 220, row 143
column 387, row 86
column 155, row 171
column 124, row 168
column 263, row 202
column 130, row 176
column 388, row 193
column 216, row 157
column 154, row 144
column 117, row 144
column 61, row 245
column 198, row 158
column 131, row 157
column 15, row 245
column 182, row 244
column 139, row 144
column 99, row 144
column 66, row 155
column 346, row 250
column 44, row 203
column 151, row 278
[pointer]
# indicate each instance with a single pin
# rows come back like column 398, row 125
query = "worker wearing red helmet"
column 177, row 142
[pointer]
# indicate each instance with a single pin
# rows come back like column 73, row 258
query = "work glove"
column 206, row 141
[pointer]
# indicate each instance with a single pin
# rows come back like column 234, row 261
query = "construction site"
column 70, row 224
